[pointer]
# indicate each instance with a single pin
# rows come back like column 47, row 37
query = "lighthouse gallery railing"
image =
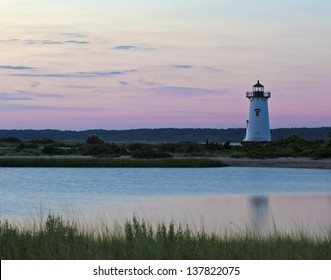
column 250, row 94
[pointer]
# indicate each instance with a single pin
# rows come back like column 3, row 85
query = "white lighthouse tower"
column 258, row 129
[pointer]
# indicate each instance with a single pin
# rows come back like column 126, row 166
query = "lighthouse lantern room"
column 258, row 129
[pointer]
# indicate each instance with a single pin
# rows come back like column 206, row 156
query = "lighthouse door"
column 257, row 136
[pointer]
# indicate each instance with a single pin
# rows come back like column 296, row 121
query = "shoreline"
column 175, row 162
column 95, row 162
column 283, row 162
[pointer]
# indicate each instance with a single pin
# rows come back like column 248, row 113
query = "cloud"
column 133, row 47
column 12, row 96
column 47, row 42
column 123, row 83
column 91, row 74
column 25, row 95
column 208, row 68
column 190, row 91
column 77, row 42
column 99, row 73
column 42, row 42
column 125, row 47
column 183, row 66
column 46, row 95
column 81, row 87
column 149, row 83
column 30, row 107
column 212, row 69
column 52, row 42
column 20, row 67
column 74, row 34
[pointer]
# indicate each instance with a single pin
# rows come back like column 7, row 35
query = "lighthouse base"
column 245, row 142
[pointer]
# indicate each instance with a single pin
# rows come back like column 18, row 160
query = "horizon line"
column 155, row 128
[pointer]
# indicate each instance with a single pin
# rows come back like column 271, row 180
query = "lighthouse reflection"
column 259, row 210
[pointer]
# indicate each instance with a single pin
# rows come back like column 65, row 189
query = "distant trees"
column 53, row 150
column 215, row 146
column 94, row 140
column 293, row 146
column 170, row 135
column 44, row 140
column 10, row 140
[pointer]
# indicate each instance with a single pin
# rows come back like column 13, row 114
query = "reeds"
column 107, row 162
column 60, row 239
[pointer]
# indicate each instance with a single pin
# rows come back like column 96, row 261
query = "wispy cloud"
column 30, row 107
column 91, row 74
column 212, row 69
column 53, row 42
column 187, row 66
column 13, row 96
column 125, row 47
column 80, row 87
column 190, row 91
column 123, row 83
column 183, row 66
column 149, row 83
column 26, row 95
column 133, row 47
column 43, row 42
column 19, row 67
column 77, row 42
column 74, row 34
column 46, row 42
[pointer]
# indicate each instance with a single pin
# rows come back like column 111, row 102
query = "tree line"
column 293, row 146
column 233, row 135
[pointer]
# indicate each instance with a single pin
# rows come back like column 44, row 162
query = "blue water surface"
column 23, row 188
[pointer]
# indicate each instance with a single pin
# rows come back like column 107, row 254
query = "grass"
column 108, row 162
column 60, row 239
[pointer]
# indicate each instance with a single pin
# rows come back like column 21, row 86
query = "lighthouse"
column 258, row 128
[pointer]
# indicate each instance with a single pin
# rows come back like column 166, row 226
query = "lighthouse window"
column 257, row 112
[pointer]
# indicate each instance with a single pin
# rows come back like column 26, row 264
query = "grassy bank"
column 293, row 146
column 107, row 162
column 58, row 239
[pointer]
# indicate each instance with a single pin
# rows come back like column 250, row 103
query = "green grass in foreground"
column 108, row 162
column 59, row 239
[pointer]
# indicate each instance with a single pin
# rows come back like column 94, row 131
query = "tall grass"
column 108, row 162
column 60, row 239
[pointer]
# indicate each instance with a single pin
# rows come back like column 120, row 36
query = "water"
column 211, row 198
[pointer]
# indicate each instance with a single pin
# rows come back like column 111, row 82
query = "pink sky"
column 148, row 64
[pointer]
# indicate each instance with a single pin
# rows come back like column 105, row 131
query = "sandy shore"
column 300, row 162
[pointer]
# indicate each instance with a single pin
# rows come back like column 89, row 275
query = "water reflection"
column 226, row 214
column 218, row 214
column 259, row 211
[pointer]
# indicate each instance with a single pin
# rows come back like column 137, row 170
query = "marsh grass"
column 56, row 238
column 107, row 162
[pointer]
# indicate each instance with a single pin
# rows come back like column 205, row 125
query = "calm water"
column 210, row 197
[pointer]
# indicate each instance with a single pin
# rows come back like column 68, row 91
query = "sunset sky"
column 119, row 64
